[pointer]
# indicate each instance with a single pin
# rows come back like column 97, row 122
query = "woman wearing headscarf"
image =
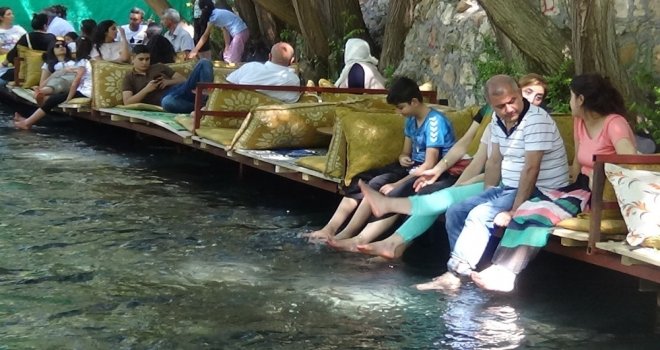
column 360, row 69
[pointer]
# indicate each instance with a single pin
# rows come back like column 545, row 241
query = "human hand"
column 122, row 32
column 192, row 54
column 387, row 188
column 503, row 219
column 426, row 178
column 405, row 161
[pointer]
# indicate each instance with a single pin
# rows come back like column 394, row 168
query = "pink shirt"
column 616, row 128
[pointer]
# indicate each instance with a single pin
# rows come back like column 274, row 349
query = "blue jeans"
column 470, row 225
column 180, row 98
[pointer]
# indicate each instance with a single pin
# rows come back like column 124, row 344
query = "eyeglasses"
column 59, row 45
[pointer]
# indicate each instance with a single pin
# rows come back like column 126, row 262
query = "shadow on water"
column 111, row 240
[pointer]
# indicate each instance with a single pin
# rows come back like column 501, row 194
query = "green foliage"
column 492, row 63
column 558, row 95
column 388, row 73
column 648, row 112
column 347, row 31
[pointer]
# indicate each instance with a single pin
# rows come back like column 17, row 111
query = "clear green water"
column 108, row 242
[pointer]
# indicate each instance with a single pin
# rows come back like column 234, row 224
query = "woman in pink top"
column 599, row 128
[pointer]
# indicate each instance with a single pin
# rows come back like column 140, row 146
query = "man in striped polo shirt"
column 527, row 152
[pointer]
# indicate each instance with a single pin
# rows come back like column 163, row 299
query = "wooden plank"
column 633, row 255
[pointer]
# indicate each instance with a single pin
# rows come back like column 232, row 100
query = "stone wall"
column 447, row 38
column 374, row 13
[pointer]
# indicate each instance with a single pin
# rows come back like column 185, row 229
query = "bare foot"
column 344, row 245
column 373, row 198
column 321, row 235
column 445, row 282
column 495, row 278
column 389, row 248
column 20, row 122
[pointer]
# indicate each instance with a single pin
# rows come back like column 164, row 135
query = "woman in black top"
column 38, row 38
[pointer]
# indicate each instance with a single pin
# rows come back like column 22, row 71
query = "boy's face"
column 141, row 62
column 407, row 108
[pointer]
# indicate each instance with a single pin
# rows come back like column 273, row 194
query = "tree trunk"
column 340, row 11
column 158, row 5
column 249, row 15
column 517, row 19
column 312, row 30
column 398, row 23
column 282, row 9
column 594, row 44
column 268, row 25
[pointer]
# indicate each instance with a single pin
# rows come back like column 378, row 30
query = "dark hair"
column 161, row 50
column 403, row 90
column 83, row 48
column 57, row 10
column 88, row 27
column 599, row 94
column 39, row 21
column 99, row 34
column 51, row 59
column 207, row 7
column 72, row 35
column 139, row 48
column 3, row 11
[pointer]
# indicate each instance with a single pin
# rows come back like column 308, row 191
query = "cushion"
column 107, row 81
column 364, row 102
column 372, row 139
column 183, row 68
column 652, row 242
column 335, row 165
column 313, row 162
column 285, row 126
column 141, row 107
column 234, row 101
column 607, row 226
column 30, row 70
column 185, row 121
column 565, row 125
column 638, row 194
column 473, row 147
column 79, row 101
column 223, row 136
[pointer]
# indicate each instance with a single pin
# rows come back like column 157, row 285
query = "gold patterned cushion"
column 335, row 165
column 30, row 71
column 364, row 102
column 223, row 136
column 607, row 226
column 141, row 107
column 313, row 162
column 565, row 125
column 372, row 139
column 284, row 126
column 79, row 101
column 185, row 121
column 107, row 81
column 183, row 68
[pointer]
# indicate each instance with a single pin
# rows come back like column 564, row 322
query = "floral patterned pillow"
column 107, row 81
column 638, row 194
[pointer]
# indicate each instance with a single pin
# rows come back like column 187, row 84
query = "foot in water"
column 20, row 122
column 344, row 245
column 495, row 278
column 446, row 282
column 321, row 235
column 389, row 248
column 374, row 198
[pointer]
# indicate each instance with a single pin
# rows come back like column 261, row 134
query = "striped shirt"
column 534, row 131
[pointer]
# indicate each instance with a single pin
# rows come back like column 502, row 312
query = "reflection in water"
column 105, row 247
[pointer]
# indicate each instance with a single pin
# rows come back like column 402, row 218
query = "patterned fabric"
column 284, row 126
column 313, row 162
column 534, row 220
column 30, row 70
column 363, row 102
column 638, row 194
column 372, row 140
column 223, row 136
column 335, row 165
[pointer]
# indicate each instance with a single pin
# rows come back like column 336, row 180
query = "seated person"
column 274, row 72
column 599, row 128
column 175, row 33
column 360, row 69
column 57, row 73
column 57, row 23
column 135, row 30
column 70, row 40
column 527, row 153
column 161, row 50
column 80, row 87
column 234, row 31
column 37, row 39
column 428, row 134
column 148, row 82
column 105, row 46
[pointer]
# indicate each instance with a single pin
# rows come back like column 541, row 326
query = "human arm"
column 202, row 41
column 526, row 185
column 226, row 37
column 76, row 82
column 404, row 160
column 128, row 97
column 125, row 51
column 493, row 171
column 45, row 74
column 474, row 171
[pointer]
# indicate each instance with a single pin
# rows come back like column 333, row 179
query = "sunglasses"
column 59, row 45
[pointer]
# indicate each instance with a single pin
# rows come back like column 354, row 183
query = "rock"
column 462, row 6
column 627, row 53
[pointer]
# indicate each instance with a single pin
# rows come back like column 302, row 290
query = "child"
column 70, row 39
column 421, row 150
column 148, row 82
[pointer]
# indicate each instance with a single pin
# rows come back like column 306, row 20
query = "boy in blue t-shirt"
column 428, row 135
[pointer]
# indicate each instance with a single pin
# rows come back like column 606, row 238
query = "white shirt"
column 59, row 65
column 135, row 37
column 8, row 39
column 180, row 39
column 269, row 73
column 109, row 51
column 85, row 86
column 59, row 27
column 535, row 131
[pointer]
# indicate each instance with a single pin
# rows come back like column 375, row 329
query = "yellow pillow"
column 652, row 242
column 565, row 125
column 240, row 101
column 364, row 101
column 476, row 141
column 184, row 68
column 223, row 136
column 30, row 70
column 461, row 119
column 141, row 107
column 373, row 140
column 185, row 120
column 316, row 163
column 335, row 165
column 107, row 82
column 284, row 126
column 607, row 226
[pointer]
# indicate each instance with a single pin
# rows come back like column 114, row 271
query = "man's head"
column 141, row 58
column 504, row 96
column 170, row 19
column 282, row 54
column 135, row 18
column 404, row 94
